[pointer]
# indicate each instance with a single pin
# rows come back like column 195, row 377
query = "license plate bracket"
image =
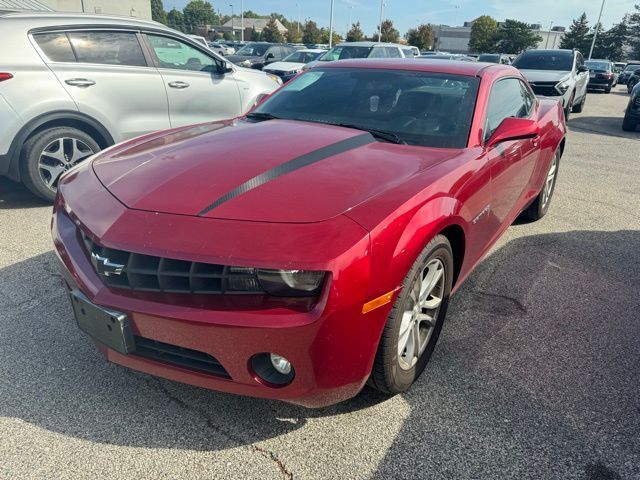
column 108, row 327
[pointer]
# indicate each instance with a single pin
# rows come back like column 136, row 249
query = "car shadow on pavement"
column 535, row 376
column 537, row 372
column 611, row 126
column 15, row 195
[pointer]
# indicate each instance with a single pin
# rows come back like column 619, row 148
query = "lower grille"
column 546, row 89
column 179, row 356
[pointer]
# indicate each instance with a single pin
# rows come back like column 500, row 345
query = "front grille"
column 146, row 273
column 546, row 89
column 178, row 356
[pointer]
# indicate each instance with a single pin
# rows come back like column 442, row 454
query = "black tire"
column 568, row 108
column 539, row 208
column 387, row 375
column 607, row 90
column 579, row 107
column 34, row 148
column 629, row 124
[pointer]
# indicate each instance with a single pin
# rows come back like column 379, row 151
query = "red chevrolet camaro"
column 310, row 247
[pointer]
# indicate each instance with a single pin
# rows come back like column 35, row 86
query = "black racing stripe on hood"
column 292, row 165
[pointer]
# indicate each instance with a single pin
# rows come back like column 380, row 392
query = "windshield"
column 600, row 66
column 417, row 108
column 491, row 58
column 342, row 52
column 561, row 61
column 301, row 57
column 253, row 50
column 632, row 68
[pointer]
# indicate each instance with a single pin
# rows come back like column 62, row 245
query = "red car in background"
column 311, row 246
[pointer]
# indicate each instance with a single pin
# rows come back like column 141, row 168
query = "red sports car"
column 310, row 247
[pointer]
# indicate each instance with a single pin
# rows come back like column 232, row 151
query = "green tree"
column 355, row 34
column 175, row 19
column 577, row 35
column 516, row 37
column 228, row 36
column 484, row 35
column 612, row 41
column 388, row 32
column 157, row 11
column 421, row 37
column 270, row 33
column 255, row 36
column 633, row 24
column 294, row 32
column 252, row 14
column 199, row 13
column 324, row 38
column 311, row 34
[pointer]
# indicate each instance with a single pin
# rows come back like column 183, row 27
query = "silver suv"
column 556, row 73
column 73, row 84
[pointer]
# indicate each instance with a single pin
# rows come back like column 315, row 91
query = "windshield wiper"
column 380, row 134
column 261, row 116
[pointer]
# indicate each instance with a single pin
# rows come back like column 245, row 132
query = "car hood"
column 271, row 171
column 241, row 58
column 284, row 66
column 545, row 75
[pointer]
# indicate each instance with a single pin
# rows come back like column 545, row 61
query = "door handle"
column 178, row 84
column 80, row 82
column 535, row 141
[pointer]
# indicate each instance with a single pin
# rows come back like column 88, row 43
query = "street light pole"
column 242, row 20
column 380, row 25
column 233, row 30
column 298, row 5
column 350, row 16
column 595, row 34
column 331, row 26
column 549, row 35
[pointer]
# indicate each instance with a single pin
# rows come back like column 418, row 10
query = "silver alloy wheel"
column 59, row 156
column 549, row 182
column 421, row 313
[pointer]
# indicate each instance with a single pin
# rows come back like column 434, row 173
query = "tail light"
column 5, row 76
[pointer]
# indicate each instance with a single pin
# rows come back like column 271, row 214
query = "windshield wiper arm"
column 261, row 116
column 380, row 134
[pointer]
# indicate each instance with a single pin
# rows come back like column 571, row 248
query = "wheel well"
column 562, row 144
column 455, row 235
column 73, row 123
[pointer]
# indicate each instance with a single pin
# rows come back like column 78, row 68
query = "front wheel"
column 580, row 107
column 629, row 124
column 540, row 205
column 415, row 322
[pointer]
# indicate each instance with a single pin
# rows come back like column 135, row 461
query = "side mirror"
column 583, row 69
column 269, row 56
column 224, row 67
column 513, row 129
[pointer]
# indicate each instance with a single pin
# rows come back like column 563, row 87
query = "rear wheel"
column 540, row 205
column 47, row 155
column 415, row 322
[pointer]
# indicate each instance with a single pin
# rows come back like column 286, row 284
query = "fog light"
column 272, row 370
column 281, row 364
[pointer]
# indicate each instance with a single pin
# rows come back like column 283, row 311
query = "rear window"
column 55, row 46
column 110, row 48
column 553, row 60
column 600, row 66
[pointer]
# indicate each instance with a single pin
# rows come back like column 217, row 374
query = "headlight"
column 562, row 87
column 275, row 78
column 291, row 283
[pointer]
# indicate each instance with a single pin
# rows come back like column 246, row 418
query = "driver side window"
column 509, row 98
column 174, row 54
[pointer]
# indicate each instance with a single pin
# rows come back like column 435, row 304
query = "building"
column 235, row 26
column 126, row 8
column 12, row 6
column 456, row 39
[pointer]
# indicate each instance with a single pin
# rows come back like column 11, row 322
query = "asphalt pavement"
column 536, row 375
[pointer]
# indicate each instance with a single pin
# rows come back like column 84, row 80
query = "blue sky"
column 408, row 13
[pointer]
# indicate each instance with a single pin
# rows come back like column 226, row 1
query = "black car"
column 633, row 81
column 601, row 75
column 632, row 114
column 628, row 71
column 258, row 54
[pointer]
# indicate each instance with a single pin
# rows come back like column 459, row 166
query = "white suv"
column 73, row 84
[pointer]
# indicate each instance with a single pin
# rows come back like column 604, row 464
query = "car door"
column 512, row 162
column 582, row 82
column 109, row 78
column 274, row 54
column 196, row 90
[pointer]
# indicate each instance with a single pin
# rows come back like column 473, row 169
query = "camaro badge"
column 104, row 266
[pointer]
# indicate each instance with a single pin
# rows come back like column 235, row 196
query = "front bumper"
column 330, row 343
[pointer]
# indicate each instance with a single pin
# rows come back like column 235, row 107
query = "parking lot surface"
column 536, row 373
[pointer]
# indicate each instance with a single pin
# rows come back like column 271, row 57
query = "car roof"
column 369, row 44
column 453, row 67
column 52, row 19
column 312, row 50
